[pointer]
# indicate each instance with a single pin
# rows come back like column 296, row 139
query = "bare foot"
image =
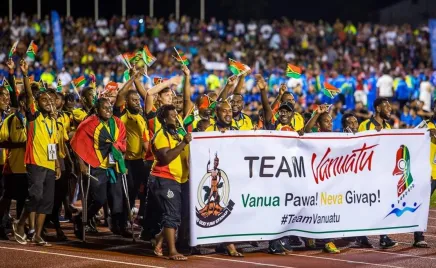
column 177, row 257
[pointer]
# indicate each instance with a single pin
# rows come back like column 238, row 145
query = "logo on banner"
column 402, row 169
column 213, row 195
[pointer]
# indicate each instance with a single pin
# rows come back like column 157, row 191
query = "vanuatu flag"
column 330, row 91
column 181, row 57
column 7, row 85
column 95, row 140
column 148, row 58
column 42, row 86
column 80, row 81
column 293, row 71
column 13, row 49
column 237, row 68
column 59, row 87
column 32, row 50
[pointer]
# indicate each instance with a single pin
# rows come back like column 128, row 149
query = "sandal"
column 157, row 251
column 234, row 254
column 20, row 239
column 178, row 257
column 41, row 243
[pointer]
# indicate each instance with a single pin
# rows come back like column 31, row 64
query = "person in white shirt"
column 385, row 86
column 425, row 94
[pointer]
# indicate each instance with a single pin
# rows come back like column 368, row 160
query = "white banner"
column 263, row 185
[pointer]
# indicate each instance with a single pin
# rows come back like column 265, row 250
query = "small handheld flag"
column 293, row 71
column 148, row 58
column 59, row 86
column 6, row 84
column 32, row 50
column 80, row 81
column 181, row 57
column 330, row 91
column 13, row 49
column 157, row 80
column 126, row 75
column 237, row 68
column 42, row 85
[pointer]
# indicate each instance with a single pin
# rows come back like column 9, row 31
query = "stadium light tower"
column 202, row 7
column 38, row 8
column 177, row 9
column 68, row 8
column 151, row 3
column 96, row 9
column 123, row 9
column 10, row 10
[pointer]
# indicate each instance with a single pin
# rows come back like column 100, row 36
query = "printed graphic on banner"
column 405, row 183
column 402, row 169
column 213, row 193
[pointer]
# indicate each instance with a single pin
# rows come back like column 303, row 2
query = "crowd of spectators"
column 364, row 60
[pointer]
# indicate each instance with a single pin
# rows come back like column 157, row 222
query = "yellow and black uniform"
column 371, row 124
column 13, row 134
column 242, row 122
column 431, row 124
column 177, row 170
column 137, row 135
column 40, row 156
column 61, row 185
column 217, row 126
column 297, row 124
column 166, row 180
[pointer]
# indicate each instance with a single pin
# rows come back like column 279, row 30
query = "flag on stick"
column 293, row 71
column 42, row 85
column 59, row 87
column 7, row 85
column 80, row 81
column 181, row 57
column 32, row 50
column 237, row 68
column 330, row 91
column 148, row 58
column 13, row 49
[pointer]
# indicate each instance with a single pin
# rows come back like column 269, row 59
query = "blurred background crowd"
column 363, row 60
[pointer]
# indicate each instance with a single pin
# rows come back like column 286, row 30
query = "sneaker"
column 363, row 242
column 276, row 248
column 285, row 245
column 331, row 248
column 386, row 242
column 420, row 244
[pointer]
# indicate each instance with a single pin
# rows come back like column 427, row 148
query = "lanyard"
column 50, row 131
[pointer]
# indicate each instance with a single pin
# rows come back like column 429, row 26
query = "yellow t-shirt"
column 14, row 130
column 297, row 124
column 431, row 125
column 370, row 124
column 178, row 169
column 195, row 123
column 41, row 132
column 243, row 122
column 136, row 133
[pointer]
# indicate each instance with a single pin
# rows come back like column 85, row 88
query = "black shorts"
column 16, row 186
column 41, row 189
column 168, row 194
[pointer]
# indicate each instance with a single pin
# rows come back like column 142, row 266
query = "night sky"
column 312, row 10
